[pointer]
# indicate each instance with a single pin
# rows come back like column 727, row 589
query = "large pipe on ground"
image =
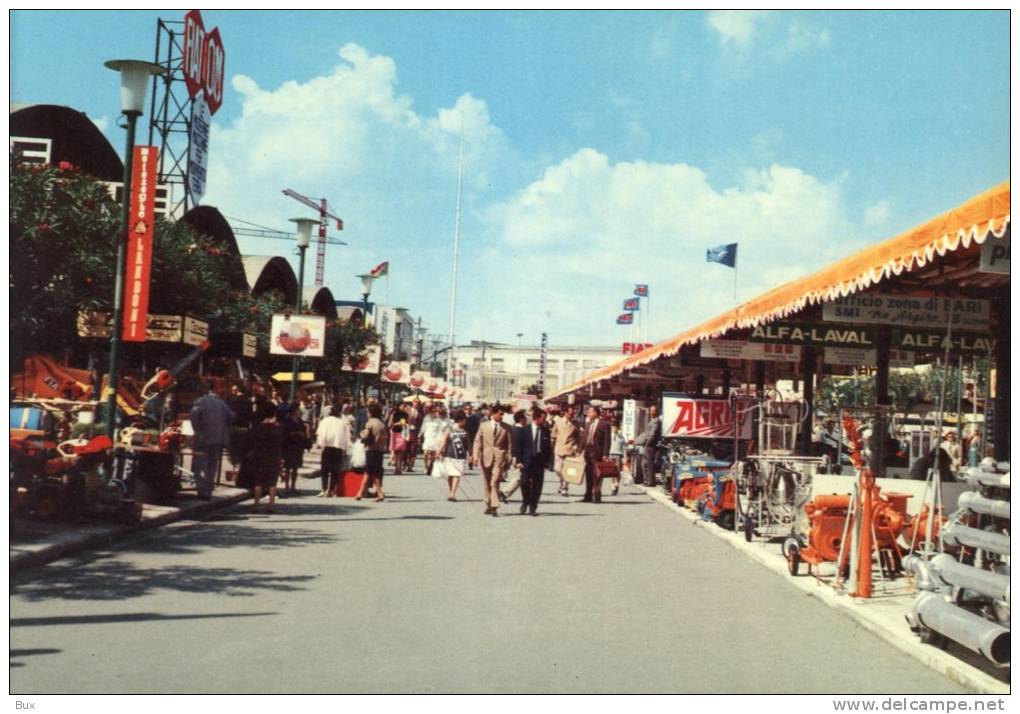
column 927, row 578
column 978, row 476
column 973, row 538
column 974, row 501
column 975, row 633
column 967, row 577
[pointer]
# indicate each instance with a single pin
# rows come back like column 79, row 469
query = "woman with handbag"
column 375, row 438
column 397, row 424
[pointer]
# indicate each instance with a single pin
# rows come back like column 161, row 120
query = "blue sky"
column 602, row 149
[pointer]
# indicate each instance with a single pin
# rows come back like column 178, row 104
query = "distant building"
column 394, row 325
column 497, row 371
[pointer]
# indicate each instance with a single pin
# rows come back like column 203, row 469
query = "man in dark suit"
column 595, row 441
column 534, row 453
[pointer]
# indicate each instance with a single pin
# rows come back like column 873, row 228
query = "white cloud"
column 102, row 123
column 589, row 229
column 800, row 37
column 736, row 28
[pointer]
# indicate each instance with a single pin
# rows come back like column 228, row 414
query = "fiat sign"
column 204, row 61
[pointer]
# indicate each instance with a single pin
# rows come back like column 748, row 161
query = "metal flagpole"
column 456, row 248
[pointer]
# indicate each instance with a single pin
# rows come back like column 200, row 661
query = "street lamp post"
column 304, row 239
column 366, row 290
column 134, row 78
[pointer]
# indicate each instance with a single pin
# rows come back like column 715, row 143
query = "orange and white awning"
column 984, row 215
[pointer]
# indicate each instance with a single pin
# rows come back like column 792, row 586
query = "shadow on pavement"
column 109, row 579
column 125, row 617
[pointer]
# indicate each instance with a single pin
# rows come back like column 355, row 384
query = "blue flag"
column 725, row 254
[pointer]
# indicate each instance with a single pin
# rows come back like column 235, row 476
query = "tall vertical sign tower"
column 184, row 100
column 541, row 364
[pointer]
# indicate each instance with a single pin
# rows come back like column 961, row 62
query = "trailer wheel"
column 792, row 557
column 748, row 528
column 725, row 520
column 931, row 637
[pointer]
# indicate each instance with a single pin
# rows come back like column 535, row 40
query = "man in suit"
column 565, row 443
column 595, row 441
column 491, row 451
column 647, row 442
column 533, row 452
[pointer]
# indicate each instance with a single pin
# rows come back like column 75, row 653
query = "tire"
column 725, row 520
column 748, row 528
column 793, row 559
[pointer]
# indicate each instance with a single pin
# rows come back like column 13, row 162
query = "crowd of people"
column 512, row 449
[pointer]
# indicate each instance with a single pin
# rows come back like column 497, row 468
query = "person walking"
column 534, row 454
column 648, row 442
column 264, row 455
column 374, row 437
column 617, row 448
column 210, row 419
column 491, row 452
column 334, row 438
column 517, row 435
column 471, row 423
column 295, row 442
column 565, row 436
column 397, row 424
column 595, row 447
column 453, row 447
column 431, row 431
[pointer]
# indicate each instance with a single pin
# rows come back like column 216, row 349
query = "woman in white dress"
column 452, row 453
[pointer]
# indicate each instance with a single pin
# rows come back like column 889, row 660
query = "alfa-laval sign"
column 204, row 61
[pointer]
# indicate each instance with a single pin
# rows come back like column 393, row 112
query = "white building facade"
column 496, row 371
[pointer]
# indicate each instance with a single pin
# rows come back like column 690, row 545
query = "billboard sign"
column 909, row 311
column 814, row 334
column 694, row 418
column 396, row 372
column 741, row 349
column 204, row 61
column 195, row 331
column 298, row 335
column 198, row 149
column 995, row 255
column 366, row 363
column 850, row 357
column 140, row 237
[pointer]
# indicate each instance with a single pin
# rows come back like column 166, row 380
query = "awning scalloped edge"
column 946, row 243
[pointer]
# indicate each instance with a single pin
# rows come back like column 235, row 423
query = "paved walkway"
column 417, row 594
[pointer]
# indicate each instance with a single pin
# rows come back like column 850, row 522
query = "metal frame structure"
column 171, row 117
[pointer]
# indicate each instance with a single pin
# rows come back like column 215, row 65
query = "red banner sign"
column 140, row 233
column 703, row 418
column 204, row 60
column 632, row 348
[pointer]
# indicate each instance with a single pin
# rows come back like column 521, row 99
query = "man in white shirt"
column 334, row 438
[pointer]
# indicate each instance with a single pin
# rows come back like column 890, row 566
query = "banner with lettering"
column 693, row 418
column 140, row 234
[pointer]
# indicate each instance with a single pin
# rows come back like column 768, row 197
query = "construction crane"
column 322, row 206
column 254, row 230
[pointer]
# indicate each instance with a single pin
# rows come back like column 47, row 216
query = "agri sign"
column 204, row 60
column 703, row 418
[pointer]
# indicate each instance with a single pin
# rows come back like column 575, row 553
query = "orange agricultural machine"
column 849, row 529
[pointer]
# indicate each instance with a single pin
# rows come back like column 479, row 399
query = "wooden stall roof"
column 912, row 251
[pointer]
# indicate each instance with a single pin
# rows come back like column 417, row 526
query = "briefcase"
column 607, row 469
column 573, row 469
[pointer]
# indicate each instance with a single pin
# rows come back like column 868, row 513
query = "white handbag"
column 358, row 460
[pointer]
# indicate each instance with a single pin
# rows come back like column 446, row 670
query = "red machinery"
column 836, row 517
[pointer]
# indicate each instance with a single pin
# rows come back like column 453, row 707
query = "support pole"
column 118, row 290
column 1000, row 307
column 807, row 369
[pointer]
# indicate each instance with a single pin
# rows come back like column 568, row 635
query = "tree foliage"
column 63, row 228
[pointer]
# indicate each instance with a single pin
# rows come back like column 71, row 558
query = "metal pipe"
column 975, row 633
column 974, row 501
column 926, row 579
column 956, row 534
column 977, row 476
column 984, row 582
